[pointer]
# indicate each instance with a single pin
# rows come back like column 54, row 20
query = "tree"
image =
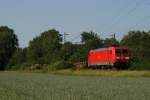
column 67, row 50
column 18, row 59
column 139, row 44
column 86, row 36
column 90, row 40
column 45, row 48
column 34, row 51
column 110, row 42
column 8, row 45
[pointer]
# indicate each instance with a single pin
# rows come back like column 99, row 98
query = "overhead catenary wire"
column 75, row 38
column 139, row 23
column 79, row 35
column 117, row 18
column 120, row 16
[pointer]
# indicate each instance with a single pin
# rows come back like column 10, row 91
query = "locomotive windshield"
column 121, row 51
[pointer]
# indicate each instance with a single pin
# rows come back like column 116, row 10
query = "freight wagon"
column 111, row 57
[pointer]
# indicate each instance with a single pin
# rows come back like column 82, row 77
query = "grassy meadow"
column 39, row 86
column 102, row 73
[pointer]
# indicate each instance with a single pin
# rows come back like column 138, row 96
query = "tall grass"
column 37, row 86
column 103, row 73
column 143, row 65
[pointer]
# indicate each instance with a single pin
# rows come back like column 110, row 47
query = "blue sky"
column 31, row 17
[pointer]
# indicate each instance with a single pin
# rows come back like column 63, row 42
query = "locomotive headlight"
column 127, row 58
column 117, row 57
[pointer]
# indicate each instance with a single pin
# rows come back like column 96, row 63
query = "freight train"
column 113, row 57
column 104, row 58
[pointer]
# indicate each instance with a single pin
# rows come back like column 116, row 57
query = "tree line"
column 48, row 50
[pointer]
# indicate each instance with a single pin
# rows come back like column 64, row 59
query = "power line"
column 137, row 4
column 79, row 35
column 76, row 37
column 65, row 34
column 139, row 23
column 118, row 18
column 144, row 19
column 115, row 18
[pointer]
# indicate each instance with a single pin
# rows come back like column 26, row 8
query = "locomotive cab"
column 122, row 57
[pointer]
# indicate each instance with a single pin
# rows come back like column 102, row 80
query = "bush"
column 143, row 65
column 18, row 66
column 35, row 67
column 60, row 65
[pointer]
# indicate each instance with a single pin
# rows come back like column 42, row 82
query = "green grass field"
column 38, row 86
column 103, row 73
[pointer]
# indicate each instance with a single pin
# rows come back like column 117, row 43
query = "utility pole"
column 114, row 39
column 64, row 40
column 114, row 36
column 65, row 34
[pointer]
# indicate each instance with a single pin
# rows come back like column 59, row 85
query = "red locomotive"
column 111, row 57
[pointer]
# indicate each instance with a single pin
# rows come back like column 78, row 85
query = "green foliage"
column 44, row 49
column 139, row 44
column 60, row 65
column 86, row 36
column 22, row 66
column 35, row 67
column 18, row 58
column 90, row 40
column 67, row 50
column 8, row 45
column 143, row 65
column 77, row 52
column 110, row 42
column 48, row 49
